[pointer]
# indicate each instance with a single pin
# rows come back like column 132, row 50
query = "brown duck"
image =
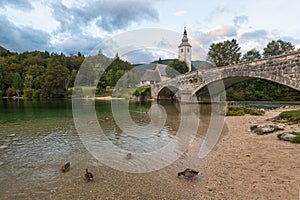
column 88, row 175
column 189, row 173
column 66, row 167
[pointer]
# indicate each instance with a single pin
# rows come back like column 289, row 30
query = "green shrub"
column 240, row 111
column 69, row 91
column 296, row 139
column 28, row 92
column 279, row 136
column 10, row 92
column 257, row 112
column 253, row 127
column 37, row 94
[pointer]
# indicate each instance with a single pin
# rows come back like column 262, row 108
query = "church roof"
column 162, row 69
column 151, row 75
column 185, row 40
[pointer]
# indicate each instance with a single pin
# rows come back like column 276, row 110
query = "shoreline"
column 242, row 165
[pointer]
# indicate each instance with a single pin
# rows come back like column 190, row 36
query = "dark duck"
column 189, row 173
column 88, row 175
column 66, row 167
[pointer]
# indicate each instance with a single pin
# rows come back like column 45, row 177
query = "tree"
column 114, row 73
column 224, row 53
column 2, row 76
column 278, row 47
column 251, row 55
column 17, row 83
column 56, row 78
column 37, row 73
column 159, row 61
column 176, row 67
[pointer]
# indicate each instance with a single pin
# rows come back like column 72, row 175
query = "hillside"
column 2, row 49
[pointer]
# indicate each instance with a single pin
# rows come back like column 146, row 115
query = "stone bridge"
column 207, row 85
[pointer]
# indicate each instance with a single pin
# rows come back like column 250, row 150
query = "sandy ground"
column 242, row 165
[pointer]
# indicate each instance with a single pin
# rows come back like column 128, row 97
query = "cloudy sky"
column 70, row 26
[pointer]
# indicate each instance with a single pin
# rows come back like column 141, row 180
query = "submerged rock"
column 11, row 135
column 4, row 146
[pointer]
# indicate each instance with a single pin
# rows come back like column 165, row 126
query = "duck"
column 189, row 173
column 128, row 156
column 66, row 167
column 88, row 175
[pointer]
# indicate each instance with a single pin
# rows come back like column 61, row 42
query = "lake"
column 38, row 136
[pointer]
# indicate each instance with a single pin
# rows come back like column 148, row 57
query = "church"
column 159, row 73
column 185, row 50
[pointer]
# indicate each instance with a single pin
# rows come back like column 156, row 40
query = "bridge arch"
column 233, row 77
column 168, row 92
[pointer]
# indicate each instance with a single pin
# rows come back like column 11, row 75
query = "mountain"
column 201, row 65
column 2, row 49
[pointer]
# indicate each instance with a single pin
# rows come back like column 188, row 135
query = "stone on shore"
column 265, row 129
column 287, row 136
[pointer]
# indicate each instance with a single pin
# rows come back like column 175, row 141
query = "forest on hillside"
column 40, row 74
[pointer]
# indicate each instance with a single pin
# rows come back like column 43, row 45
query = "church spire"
column 185, row 50
column 185, row 38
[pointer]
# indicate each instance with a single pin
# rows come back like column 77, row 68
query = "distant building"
column 154, row 76
column 185, row 50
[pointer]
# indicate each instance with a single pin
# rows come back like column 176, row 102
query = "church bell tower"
column 185, row 50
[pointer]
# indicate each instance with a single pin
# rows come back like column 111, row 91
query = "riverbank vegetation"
column 291, row 117
column 240, row 111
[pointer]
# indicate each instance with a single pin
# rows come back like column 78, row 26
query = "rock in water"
column 11, row 135
column 4, row 146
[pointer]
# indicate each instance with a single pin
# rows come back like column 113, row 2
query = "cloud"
column 216, row 34
column 86, row 44
column 259, row 39
column 108, row 15
column 82, row 25
column 256, row 39
column 180, row 12
column 254, row 34
column 20, row 4
column 22, row 38
column 239, row 20
column 216, row 12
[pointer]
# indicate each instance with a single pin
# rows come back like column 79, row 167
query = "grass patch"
column 279, row 136
column 297, row 138
column 240, row 111
column 253, row 127
column 292, row 117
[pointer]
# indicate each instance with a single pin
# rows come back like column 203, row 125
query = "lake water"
column 37, row 137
